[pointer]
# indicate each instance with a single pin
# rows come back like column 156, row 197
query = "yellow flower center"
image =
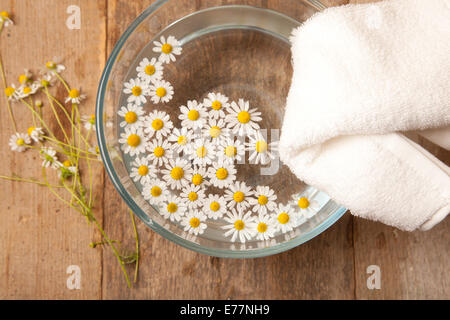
column 243, row 117
column 20, row 142
column 92, row 119
column 131, row 117
column 67, row 163
column 50, row 65
column 239, row 225
column 214, row 206
column 239, row 196
column 161, row 92
column 136, row 91
column 262, row 227
column 261, row 146
column 166, row 48
column 230, row 151
column 262, row 200
column 197, row 179
column 143, row 170
column 150, row 69
column 74, row 93
column 9, row 91
column 157, row 124
column 182, row 140
column 201, row 152
column 4, row 14
column 193, row 115
column 156, row 191
column 172, row 207
column 26, row 90
column 216, row 105
column 303, row 203
column 30, row 130
column 177, row 173
column 283, row 218
column 194, row 222
column 133, row 140
column 23, row 78
column 44, row 83
column 222, row 173
column 214, row 132
column 159, row 152
column 193, row 196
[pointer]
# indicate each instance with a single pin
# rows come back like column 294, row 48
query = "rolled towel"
column 362, row 73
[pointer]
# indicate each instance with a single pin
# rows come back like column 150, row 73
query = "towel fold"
column 362, row 74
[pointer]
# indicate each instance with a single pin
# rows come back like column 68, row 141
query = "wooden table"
column 40, row 237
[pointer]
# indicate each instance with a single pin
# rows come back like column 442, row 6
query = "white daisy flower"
column 158, row 122
column 260, row 151
column 177, row 174
column 36, row 134
column 284, row 218
column 194, row 222
column 47, row 79
column 168, row 49
column 193, row 116
column 67, row 170
column 193, row 195
column 5, row 19
column 142, row 171
column 55, row 65
column 160, row 151
column 241, row 118
column 173, row 208
column 25, row 78
column 150, row 70
column 11, row 92
column 27, row 90
column 89, row 122
column 199, row 176
column 222, row 174
column 181, row 139
column 75, row 97
column 133, row 116
column 239, row 226
column 19, row 141
column 215, row 131
column 214, row 206
column 238, row 195
column 231, row 150
column 263, row 227
column 155, row 191
column 137, row 89
column 202, row 152
column 264, row 200
column 133, row 141
column 216, row 103
column 160, row 91
column 49, row 158
column 305, row 203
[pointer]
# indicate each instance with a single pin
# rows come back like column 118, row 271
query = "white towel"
column 362, row 73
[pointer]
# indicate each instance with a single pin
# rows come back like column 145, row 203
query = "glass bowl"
column 238, row 48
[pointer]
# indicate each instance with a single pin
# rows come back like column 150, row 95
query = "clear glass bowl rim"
column 252, row 253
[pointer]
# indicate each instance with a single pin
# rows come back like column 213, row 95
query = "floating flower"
column 284, row 218
column 202, row 152
column 75, row 97
column 194, row 222
column 173, row 208
column 142, row 171
column 214, row 206
column 37, row 134
column 193, row 195
column 137, row 89
column 238, row 195
column 181, row 139
column 19, row 141
column 241, row 118
column 133, row 141
column 306, row 204
column 193, row 116
column 178, row 173
column 89, row 122
column 168, row 49
column 263, row 227
column 222, row 174
column 55, row 65
column 215, row 131
column 239, row 226
column 199, row 176
column 260, row 151
column 66, row 170
column 11, row 93
column 216, row 103
column 160, row 91
column 49, row 158
column 264, row 200
column 133, row 116
column 155, row 191
column 158, row 122
column 150, row 70
column 231, row 150
column 5, row 19
column 160, row 151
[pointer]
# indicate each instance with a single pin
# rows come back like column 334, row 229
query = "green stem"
column 137, row 247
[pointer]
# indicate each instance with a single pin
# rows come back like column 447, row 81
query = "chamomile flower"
column 11, row 92
column 264, row 200
column 215, row 131
column 239, row 225
column 133, row 116
column 5, row 19
column 202, row 152
column 155, row 191
column 25, row 77
column 19, row 141
column 142, row 171
column 193, row 196
column 216, row 103
column 231, row 150
column 263, row 227
column 168, row 48
column 260, row 151
column 214, row 206
column 284, row 218
column 173, row 208
column 137, row 89
column 160, row 151
column 37, row 134
column 158, row 122
column 47, row 79
column 150, row 70
column 49, row 158
column 221, row 174
column 89, row 122
column 133, row 141
column 27, row 90
column 55, row 65
column 66, row 170
column 238, row 195
column 160, row 91
column 306, row 204
column 75, row 96
column 181, row 139
column 241, row 118
column 194, row 222
column 193, row 116
column 199, row 176
column 177, row 174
